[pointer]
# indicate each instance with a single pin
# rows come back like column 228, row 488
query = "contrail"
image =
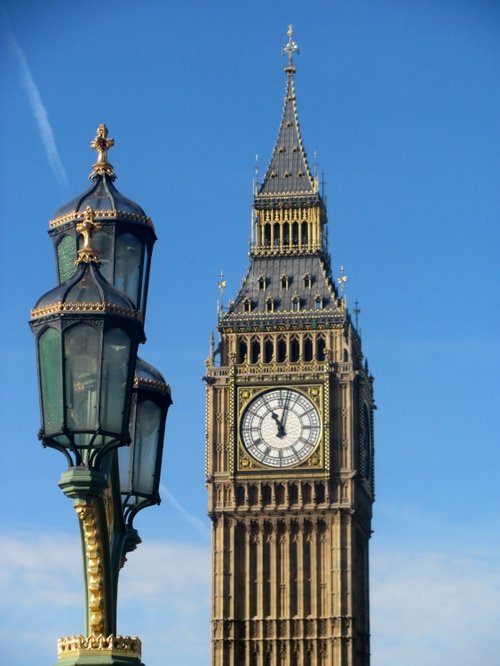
column 40, row 113
column 198, row 524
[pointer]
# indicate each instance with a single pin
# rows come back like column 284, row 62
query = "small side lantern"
column 140, row 463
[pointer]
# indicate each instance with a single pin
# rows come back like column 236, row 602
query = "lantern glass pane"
column 128, row 266
column 102, row 244
column 81, row 357
column 124, row 453
column 66, row 257
column 147, row 430
column 49, row 353
column 115, row 366
column 147, row 260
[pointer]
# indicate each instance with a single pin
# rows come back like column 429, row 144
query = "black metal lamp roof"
column 102, row 196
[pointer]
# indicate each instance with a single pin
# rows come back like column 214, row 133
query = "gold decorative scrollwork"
column 94, row 556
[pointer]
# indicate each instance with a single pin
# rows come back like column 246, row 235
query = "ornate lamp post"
column 97, row 399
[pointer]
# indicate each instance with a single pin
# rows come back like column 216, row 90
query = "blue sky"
column 401, row 102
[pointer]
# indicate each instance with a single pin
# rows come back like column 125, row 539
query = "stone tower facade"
column 289, row 432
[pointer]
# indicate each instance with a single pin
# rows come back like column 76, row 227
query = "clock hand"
column 285, row 411
column 281, row 430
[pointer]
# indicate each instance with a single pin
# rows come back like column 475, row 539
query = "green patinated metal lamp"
column 105, row 410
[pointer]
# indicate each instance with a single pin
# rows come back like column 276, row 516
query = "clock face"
column 280, row 428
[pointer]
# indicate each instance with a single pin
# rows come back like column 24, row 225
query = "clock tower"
column 289, row 438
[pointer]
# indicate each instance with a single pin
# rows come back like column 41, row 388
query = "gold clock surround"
column 246, row 463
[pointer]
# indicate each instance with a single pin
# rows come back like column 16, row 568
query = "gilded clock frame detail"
column 315, row 461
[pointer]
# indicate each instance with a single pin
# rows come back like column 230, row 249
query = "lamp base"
column 99, row 651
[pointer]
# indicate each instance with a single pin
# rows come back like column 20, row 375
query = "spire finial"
column 341, row 280
column 290, row 48
column 357, row 312
column 102, row 144
column 87, row 254
column 221, row 284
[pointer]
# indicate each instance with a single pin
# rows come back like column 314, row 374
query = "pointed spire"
column 289, row 170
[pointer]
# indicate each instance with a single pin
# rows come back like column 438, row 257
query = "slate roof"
column 288, row 171
column 294, row 268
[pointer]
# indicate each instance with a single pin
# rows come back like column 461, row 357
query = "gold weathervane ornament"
column 290, row 48
column 102, row 144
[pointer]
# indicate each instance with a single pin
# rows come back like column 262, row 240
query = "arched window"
column 308, row 349
column 242, row 351
column 295, row 233
column 318, row 303
column 262, row 282
column 281, row 350
column 294, row 350
column 276, row 235
column 247, row 305
column 307, row 280
column 320, row 492
column 254, row 351
column 304, row 233
column 295, row 303
column 286, row 234
column 268, row 350
column 284, row 281
column 270, row 305
column 267, row 234
column 321, row 348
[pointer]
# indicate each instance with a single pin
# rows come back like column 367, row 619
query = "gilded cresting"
column 289, row 438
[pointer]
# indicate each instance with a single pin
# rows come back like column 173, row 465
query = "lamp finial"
column 102, row 144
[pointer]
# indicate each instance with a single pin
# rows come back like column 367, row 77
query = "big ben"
column 289, row 437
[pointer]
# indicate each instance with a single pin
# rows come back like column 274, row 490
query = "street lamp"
column 98, row 398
